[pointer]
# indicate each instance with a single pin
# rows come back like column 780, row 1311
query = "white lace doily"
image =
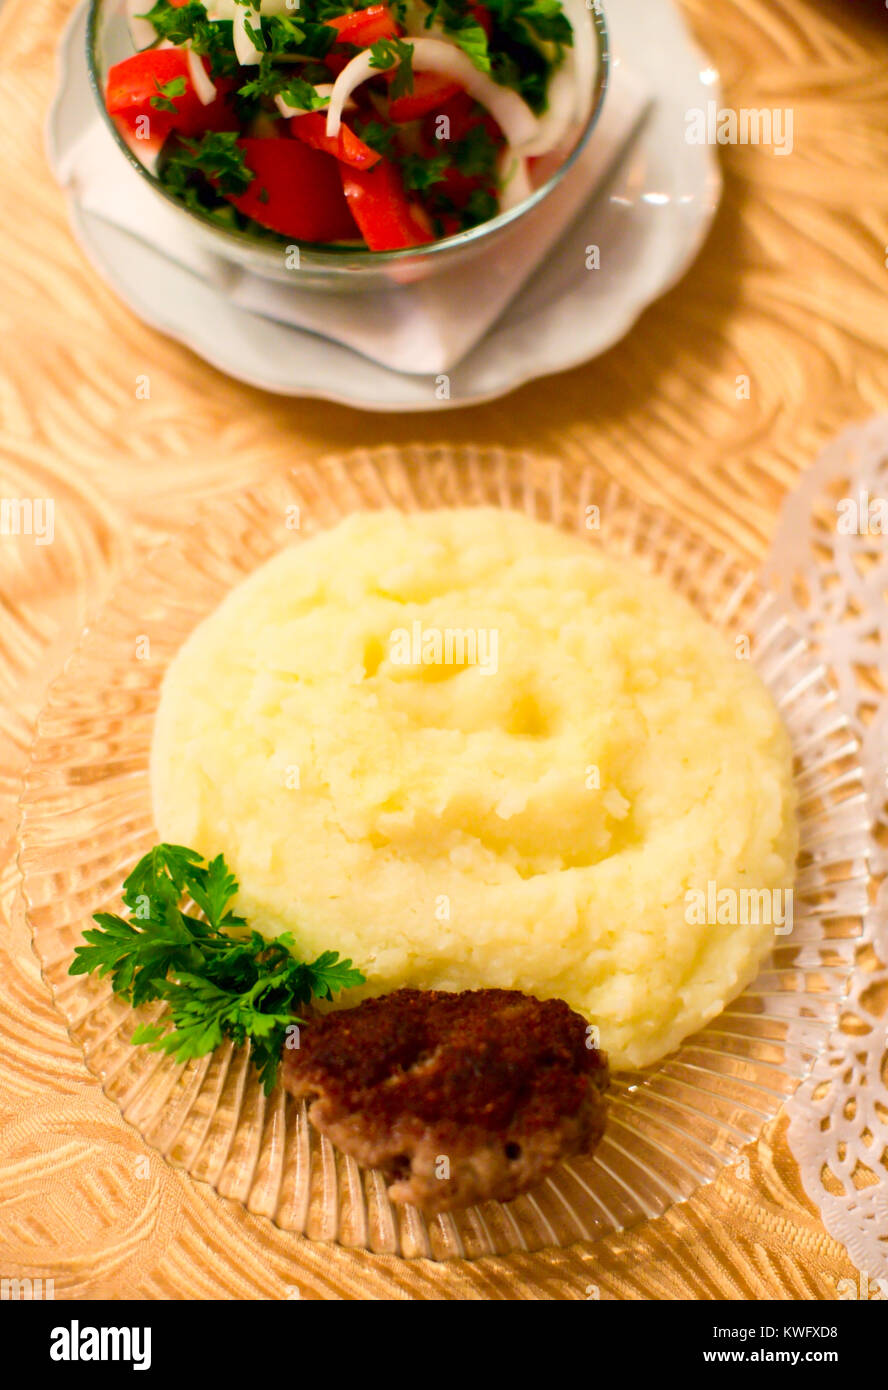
column 830, row 554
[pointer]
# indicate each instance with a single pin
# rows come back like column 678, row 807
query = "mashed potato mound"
column 528, row 814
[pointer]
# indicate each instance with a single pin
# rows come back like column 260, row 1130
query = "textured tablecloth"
column 789, row 290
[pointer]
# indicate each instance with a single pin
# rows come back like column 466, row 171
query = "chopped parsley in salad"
column 390, row 125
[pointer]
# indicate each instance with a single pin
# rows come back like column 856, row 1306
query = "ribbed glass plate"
column 86, row 817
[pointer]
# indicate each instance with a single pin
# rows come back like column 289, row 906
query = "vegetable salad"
column 389, row 126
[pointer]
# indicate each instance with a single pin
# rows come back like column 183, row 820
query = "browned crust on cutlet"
column 500, row 1085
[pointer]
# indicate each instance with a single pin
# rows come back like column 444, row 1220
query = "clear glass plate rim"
column 230, row 502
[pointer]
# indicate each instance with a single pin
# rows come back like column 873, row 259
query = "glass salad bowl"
column 332, row 266
column 86, row 818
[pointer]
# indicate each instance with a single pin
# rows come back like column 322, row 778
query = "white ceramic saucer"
column 651, row 215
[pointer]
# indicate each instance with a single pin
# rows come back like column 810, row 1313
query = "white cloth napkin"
column 424, row 328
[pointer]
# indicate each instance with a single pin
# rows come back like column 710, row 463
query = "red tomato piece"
column 134, row 83
column 296, row 191
column 381, row 208
column 463, row 115
column 450, row 224
column 346, row 146
column 481, row 14
column 430, row 92
column 336, row 62
column 145, row 145
column 458, row 187
column 365, row 27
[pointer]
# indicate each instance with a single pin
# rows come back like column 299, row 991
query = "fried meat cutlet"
column 455, row 1097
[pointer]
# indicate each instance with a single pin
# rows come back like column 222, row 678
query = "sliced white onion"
column 509, row 110
column 141, row 32
column 514, row 179
column 323, row 89
column 570, row 89
column 560, row 113
column 245, row 50
column 288, row 111
column 228, row 9
column 147, row 152
column 204, row 87
column 150, row 159
column 351, row 77
column 585, row 55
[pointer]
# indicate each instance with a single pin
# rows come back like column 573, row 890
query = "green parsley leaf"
column 254, row 32
column 420, row 173
column 527, row 73
column 217, row 156
column 160, row 875
column 459, row 22
column 476, row 154
column 273, row 80
column 175, row 23
column 385, row 53
column 284, row 33
column 174, row 88
column 473, row 41
column 543, row 18
column 211, row 39
column 306, row 37
column 526, row 44
column 378, row 136
column 218, row 980
column 481, row 207
column 212, row 889
column 328, row 975
column 138, row 954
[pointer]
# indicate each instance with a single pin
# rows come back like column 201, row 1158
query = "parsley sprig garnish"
column 219, row 979
column 420, row 172
column 217, row 156
column 476, row 154
column 385, row 53
column 527, row 43
column 544, row 19
column 461, row 24
column 165, row 91
column 378, row 136
column 190, row 23
column 285, row 34
column 272, row 80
